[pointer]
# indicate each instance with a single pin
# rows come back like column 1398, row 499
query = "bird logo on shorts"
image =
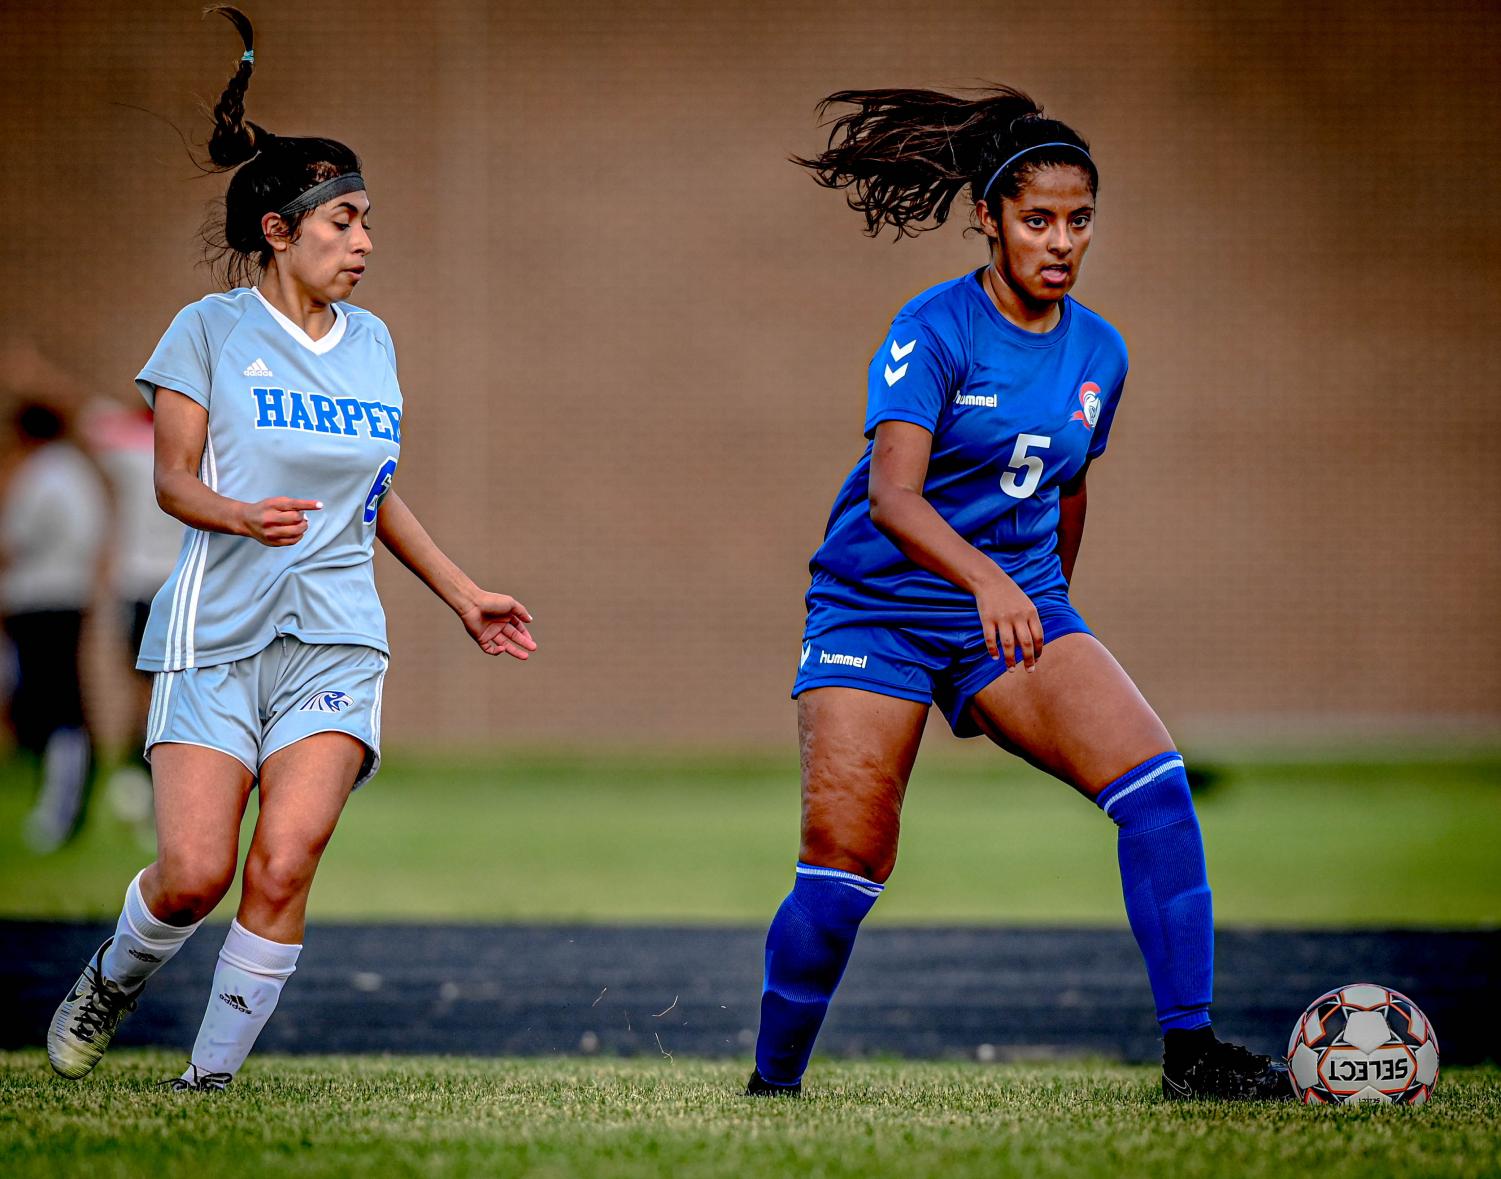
column 327, row 702
column 1089, row 402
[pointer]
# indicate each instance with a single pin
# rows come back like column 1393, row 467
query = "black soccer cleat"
column 758, row 1086
column 1226, row 1072
column 200, row 1081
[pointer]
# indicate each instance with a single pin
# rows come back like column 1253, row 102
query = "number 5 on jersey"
column 378, row 489
column 1013, row 482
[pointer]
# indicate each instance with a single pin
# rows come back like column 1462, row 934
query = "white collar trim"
column 317, row 347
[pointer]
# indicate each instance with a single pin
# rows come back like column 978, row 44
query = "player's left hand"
column 497, row 622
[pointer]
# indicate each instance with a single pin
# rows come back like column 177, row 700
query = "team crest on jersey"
column 327, row 702
column 1089, row 405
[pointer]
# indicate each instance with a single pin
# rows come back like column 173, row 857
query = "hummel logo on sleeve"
column 235, row 1001
column 893, row 375
column 256, row 368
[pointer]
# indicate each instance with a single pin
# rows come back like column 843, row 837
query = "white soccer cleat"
column 86, row 1020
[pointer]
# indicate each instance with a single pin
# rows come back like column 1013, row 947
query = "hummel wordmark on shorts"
column 250, row 708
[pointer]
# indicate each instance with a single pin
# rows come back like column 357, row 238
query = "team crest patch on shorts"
column 327, row 702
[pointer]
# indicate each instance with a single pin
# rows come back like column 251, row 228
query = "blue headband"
column 994, row 176
column 248, row 55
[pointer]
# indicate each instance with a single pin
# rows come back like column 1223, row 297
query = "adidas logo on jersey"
column 256, row 368
column 235, row 1001
column 327, row 702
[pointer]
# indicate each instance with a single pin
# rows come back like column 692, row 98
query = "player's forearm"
column 403, row 535
column 184, row 496
column 1071, row 509
column 912, row 524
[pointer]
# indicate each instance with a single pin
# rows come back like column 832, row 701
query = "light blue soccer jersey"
column 1014, row 415
column 287, row 415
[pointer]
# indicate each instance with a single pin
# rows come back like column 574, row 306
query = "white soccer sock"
column 247, row 983
column 143, row 943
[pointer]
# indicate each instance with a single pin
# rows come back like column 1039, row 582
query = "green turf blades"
column 336, row 1116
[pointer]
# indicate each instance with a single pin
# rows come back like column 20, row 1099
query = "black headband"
column 324, row 191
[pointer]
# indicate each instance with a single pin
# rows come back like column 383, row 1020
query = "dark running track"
column 956, row 992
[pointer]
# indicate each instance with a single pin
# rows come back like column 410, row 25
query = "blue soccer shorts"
column 933, row 659
column 250, row 708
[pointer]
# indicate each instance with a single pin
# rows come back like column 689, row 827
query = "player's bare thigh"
column 1078, row 715
column 200, row 796
column 857, row 750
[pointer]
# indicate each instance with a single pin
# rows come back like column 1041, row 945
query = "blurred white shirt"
column 53, row 524
column 147, row 540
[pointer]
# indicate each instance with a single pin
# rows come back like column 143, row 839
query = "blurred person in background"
column 944, row 574
column 147, row 541
column 277, row 434
column 143, row 542
column 54, row 515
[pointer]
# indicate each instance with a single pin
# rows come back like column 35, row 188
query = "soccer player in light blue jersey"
column 278, row 431
column 943, row 577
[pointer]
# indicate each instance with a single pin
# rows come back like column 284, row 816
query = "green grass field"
column 643, row 839
column 314, row 1116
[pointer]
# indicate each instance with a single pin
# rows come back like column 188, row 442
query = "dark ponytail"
column 234, row 140
column 904, row 155
column 271, row 171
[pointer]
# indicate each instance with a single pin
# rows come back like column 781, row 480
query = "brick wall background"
column 633, row 337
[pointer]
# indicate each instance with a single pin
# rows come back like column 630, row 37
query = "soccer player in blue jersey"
column 278, row 429
column 943, row 577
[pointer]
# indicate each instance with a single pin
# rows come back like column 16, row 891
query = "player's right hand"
column 1010, row 622
column 278, row 521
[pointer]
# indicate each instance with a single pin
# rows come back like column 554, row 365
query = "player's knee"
column 873, row 858
column 852, row 812
column 278, row 879
column 191, row 884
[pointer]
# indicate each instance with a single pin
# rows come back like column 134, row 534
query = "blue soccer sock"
column 807, row 949
column 1166, row 888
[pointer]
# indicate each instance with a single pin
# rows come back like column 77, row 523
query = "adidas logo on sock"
column 235, row 1001
column 256, row 368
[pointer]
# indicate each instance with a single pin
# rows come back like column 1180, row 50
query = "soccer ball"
column 1363, row 1042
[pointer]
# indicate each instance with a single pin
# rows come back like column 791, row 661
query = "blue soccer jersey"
column 1014, row 415
column 287, row 415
